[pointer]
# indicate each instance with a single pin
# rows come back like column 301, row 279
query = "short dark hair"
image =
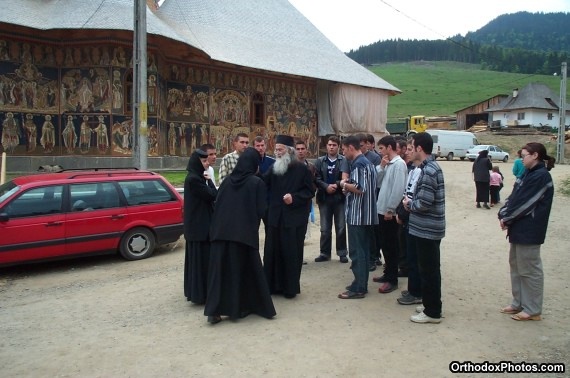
column 259, row 138
column 334, row 139
column 207, row 146
column 388, row 140
column 240, row 135
column 300, row 141
column 370, row 138
column 352, row 140
column 423, row 140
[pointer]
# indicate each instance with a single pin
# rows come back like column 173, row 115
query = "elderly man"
column 229, row 161
column 290, row 184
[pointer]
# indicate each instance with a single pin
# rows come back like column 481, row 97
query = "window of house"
column 258, row 109
column 549, row 116
column 520, row 116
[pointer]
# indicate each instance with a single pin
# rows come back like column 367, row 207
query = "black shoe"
column 304, row 262
column 402, row 273
column 372, row 268
column 322, row 258
column 378, row 262
column 343, row 259
column 478, row 205
column 380, row 279
column 486, row 207
column 213, row 319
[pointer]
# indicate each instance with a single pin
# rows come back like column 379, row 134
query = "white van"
column 451, row 144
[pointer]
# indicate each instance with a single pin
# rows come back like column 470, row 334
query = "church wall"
column 73, row 100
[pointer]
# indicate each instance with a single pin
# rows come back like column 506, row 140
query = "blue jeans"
column 360, row 239
column 332, row 208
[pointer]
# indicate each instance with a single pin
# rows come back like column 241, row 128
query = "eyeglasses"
column 524, row 155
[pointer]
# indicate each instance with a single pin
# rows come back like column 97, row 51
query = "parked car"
column 78, row 212
column 495, row 153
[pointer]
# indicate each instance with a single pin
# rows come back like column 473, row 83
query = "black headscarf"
column 483, row 154
column 195, row 164
column 247, row 165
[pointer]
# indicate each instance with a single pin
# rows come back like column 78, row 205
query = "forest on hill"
column 528, row 43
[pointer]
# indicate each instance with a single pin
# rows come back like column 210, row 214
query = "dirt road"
column 104, row 317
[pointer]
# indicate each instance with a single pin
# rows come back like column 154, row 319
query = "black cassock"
column 236, row 283
column 286, row 228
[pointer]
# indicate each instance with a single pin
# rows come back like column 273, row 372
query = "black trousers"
column 428, row 255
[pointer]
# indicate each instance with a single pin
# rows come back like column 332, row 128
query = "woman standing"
column 525, row 217
column 236, row 282
column 481, row 175
column 199, row 196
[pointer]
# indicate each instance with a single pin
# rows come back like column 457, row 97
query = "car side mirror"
column 4, row 217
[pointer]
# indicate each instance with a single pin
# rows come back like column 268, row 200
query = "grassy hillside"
column 442, row 88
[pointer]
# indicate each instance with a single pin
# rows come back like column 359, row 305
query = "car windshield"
column 7, row 189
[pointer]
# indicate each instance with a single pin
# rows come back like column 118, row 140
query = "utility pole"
column 562, row 126
column 140, row 126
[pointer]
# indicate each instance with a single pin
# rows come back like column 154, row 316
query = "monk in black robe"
column 236, row 283
column 290, row 184
column 199, row 196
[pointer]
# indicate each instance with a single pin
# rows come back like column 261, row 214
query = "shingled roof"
column 269, row 35
column 533, row 95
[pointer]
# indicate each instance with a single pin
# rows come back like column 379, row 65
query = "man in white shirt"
column 211, row 160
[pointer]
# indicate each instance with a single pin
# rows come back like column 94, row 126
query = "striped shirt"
column 361, row 207
column 427, row 217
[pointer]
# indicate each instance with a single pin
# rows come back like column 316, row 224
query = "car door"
column 96, row 218
column 492, row 153
column 33, row 226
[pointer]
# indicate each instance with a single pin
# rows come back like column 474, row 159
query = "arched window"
column 258, row 109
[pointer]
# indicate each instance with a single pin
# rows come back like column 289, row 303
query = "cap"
column 286, row 140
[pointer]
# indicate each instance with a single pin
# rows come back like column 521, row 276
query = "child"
column 495, row 185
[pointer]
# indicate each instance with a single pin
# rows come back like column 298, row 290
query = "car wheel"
column 450, row 156
column 505, row 159
column 461, row 158
column 471, row 159
column 137, row 244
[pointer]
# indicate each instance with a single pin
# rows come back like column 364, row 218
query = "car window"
column 93, row 196
column 7, row 189
column 491, row 149
column 145, row 192
column 37, row 201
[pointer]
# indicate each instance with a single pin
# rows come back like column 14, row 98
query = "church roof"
column 269, row 35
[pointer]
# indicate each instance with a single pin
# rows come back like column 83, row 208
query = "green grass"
column 176, row 178
column 443, row 88
column 565, row 187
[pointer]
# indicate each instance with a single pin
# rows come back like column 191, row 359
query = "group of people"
column 488, row 181
column 390, row 202
column 223, row 268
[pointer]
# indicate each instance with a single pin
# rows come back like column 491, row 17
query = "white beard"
column 281, row 164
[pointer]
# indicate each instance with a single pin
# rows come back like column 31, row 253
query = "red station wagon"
column 78, row 212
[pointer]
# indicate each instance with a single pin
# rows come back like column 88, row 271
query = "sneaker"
column 322, row 258
column 387, row 287
column 404, row 293
column 420, row 309
column 378, row 262
column 409, row 299
column 372, row 268
column 423, row 318
column 343, row 259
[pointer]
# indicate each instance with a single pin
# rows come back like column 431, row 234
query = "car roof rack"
column 97, row 169
column 105, row 171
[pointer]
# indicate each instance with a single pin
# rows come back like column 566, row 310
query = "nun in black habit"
column 236, row 282
column 199, row 196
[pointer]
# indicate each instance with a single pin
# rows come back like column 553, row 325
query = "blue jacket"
column 527, row 209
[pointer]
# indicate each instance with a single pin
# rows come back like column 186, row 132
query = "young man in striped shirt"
column 361, row 215
column 426, row 227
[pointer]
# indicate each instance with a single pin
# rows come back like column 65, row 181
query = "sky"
column 350, row 24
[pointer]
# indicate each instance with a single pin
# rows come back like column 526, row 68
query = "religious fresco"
column 89, row 90
column 24, row 87
column 85, row 92
column 27, row 133
column 187, row 102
